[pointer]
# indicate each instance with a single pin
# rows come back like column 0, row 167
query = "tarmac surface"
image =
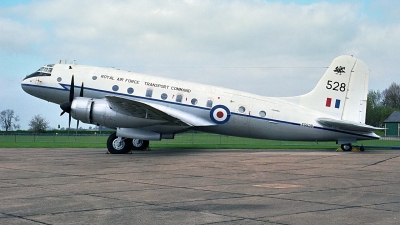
column 87, row 186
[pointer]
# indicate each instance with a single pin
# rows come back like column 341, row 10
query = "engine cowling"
column 99, row 112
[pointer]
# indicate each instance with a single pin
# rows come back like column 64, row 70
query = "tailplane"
column 342, row 92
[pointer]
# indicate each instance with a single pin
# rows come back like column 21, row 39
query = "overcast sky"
column 271, row 48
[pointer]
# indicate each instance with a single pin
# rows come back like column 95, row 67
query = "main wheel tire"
column 116, row 145
column 346, row 147
column 138, row 144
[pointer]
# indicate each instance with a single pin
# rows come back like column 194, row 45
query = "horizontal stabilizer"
column 346, row 125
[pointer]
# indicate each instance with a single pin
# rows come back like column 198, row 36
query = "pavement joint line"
column 326, row 189
column 242, row 219
column 106, row 192
column 87, row 210
column 259, row 219
column 332, row 176
column 44, row 172
column 177, row 202
column 224, row 221
column 381, row 161
column 384, row 203
column 317, row 210
column 23, row 218
column 316, row 159
column 322, row 203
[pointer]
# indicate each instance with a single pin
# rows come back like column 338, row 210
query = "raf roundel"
column 220, row 114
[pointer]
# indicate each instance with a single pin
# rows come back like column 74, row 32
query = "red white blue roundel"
column 220, row 114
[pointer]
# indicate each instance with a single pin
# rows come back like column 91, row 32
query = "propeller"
column 66, row 106
column 77, row 122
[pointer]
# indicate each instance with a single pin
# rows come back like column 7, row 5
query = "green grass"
column 186, row 140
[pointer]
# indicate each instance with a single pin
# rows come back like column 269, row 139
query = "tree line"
column 380, row 104
column 9, row 122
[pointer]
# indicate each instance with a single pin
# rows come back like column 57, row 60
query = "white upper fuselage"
column 250, row 115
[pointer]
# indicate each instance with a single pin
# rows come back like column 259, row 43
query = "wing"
column 346, row 125
column 155, row 111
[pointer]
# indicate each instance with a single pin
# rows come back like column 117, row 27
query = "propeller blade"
column 71, row 90
column 77, row 125
column 81, row 94
column 69, row 123
column 66, row 106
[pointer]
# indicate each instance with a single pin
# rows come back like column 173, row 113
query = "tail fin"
column 342, row 91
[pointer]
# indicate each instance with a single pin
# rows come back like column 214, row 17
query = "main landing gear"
column 119, row 145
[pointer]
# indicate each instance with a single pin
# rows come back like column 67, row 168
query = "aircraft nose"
column 26, row 85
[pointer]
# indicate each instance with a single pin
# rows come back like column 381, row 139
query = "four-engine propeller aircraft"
column 142, row 107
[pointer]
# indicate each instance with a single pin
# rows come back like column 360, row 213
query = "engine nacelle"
column 81, row 109
column 98, row 111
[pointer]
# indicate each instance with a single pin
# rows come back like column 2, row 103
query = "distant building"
column 392, row 124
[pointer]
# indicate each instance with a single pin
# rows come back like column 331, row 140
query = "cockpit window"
column 43, row 71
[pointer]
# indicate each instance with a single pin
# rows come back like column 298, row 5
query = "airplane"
column 143, row 108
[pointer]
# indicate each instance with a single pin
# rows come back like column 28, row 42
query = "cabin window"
column 115, row 88
column 149, row 93
column 262, row 113
column 59, row 79
column 130, row 90
column 194, row 101
column 164, row 96
column 209, row 103
column 179, row 98
column 242, row 109
column 94, row 78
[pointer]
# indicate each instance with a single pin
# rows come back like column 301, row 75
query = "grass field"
column 186, row 140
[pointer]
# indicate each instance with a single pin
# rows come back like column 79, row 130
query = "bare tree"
column 391, row 96
column 8, row 120
column 38, row 124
